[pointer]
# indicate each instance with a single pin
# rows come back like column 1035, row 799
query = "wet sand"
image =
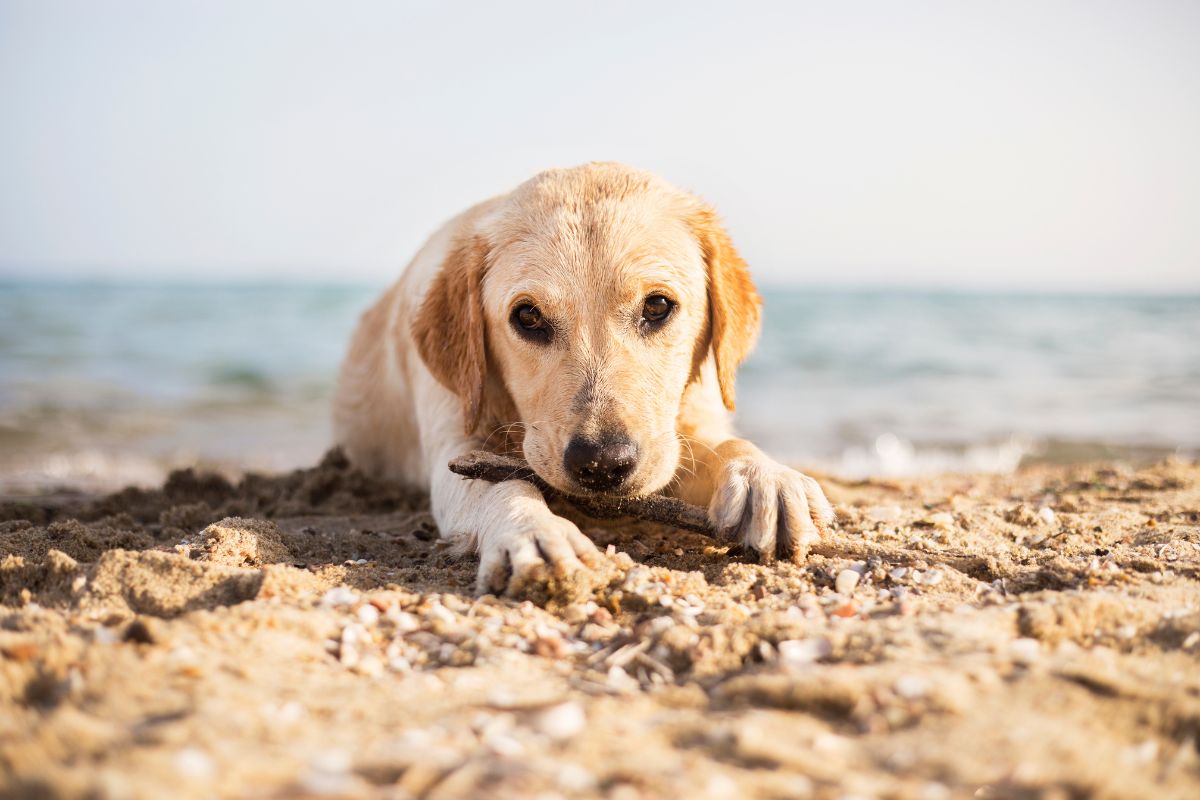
column 1034, row 635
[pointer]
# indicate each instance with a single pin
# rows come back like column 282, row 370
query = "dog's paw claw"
column 769, row 509
column 546, row 554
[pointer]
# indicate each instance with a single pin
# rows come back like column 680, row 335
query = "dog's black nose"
column 602, row 466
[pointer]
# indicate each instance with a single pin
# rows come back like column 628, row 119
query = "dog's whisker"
column 705, row 445
column 691, row 454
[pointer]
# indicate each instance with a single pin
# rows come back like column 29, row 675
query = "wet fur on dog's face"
column 578, row 312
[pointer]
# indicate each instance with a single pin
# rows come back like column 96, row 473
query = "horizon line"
column 313, row 282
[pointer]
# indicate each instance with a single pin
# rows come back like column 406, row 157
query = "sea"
column 108, row 384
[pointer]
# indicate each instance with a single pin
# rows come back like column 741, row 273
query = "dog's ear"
column 734, row 306
column 448, row 328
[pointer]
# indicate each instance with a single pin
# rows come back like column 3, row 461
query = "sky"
column 1024, row 145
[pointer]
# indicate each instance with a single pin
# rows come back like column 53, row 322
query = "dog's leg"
column 518, row 538
column 768, row 507
column 751, row 498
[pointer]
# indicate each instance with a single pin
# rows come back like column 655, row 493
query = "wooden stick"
column 485, row 466
column 672, row 511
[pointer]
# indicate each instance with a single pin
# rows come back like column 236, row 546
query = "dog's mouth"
column 610, row 494
column 565, row 484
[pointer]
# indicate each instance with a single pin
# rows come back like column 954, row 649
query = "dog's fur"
column 438, row 367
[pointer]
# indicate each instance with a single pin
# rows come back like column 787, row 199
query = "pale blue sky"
column 1007, row 144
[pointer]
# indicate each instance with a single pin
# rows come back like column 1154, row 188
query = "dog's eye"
column 529, row 317
column 529, row 322
column 655, row 311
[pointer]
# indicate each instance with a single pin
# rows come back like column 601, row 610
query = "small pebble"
column 1144, row 753
column 561, row 722
column 941, row 520
column 575, row 778
column 847, row 579
column 594, row 633
column 911, row 687
column 370, row 665
column 502, row 744
column 1047, row 515
column 846, row 610
column 602, row 616
column 289, row 713
column 550, row 647
column 328, row 774
column 620, row 680
column 801, row 652
column 182, row 654
column 575, row 614
column 339, row 596
column 194, row 764
column 368, row 614
column 404, row 622
column 1024, row 650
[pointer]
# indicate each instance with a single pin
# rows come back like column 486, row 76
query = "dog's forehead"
column 601, row 244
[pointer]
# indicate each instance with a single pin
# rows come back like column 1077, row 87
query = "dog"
column 592, row 320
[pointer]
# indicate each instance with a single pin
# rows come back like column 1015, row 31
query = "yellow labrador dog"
column 592, row 319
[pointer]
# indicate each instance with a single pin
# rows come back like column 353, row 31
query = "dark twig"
column 672, row 511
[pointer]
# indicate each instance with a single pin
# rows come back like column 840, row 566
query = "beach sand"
column 1032, row 635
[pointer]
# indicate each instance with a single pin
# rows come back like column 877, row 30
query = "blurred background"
column 976, row 226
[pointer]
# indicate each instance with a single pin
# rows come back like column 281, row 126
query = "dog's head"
column 582, row 307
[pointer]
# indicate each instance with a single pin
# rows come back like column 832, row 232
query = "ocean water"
column 102, row 385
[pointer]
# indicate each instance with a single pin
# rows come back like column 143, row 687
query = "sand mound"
column 49, row 581
column 239, row 542
column 164, row 584
column 83, row 542
column 124, row 582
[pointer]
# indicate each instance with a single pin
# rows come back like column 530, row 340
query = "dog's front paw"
column 530, row 551
column 769, row 508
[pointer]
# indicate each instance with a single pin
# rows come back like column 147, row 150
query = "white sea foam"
column 893, row 456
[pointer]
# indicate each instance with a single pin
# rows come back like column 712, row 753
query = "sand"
column 1035, row 635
